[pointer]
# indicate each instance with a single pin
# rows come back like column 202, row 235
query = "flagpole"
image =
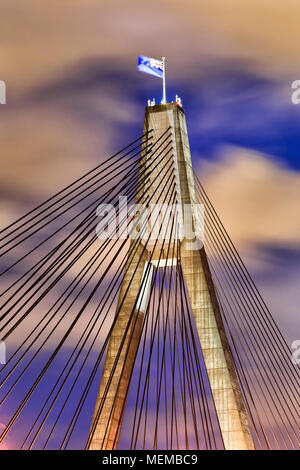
column 164, row 81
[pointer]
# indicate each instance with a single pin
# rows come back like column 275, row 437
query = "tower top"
column 165, row 106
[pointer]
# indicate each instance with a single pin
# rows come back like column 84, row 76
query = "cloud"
column 258, row 199
column 257, row 196
column 37, row 42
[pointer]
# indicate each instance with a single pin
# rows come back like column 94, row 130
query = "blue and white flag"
column 153, row 66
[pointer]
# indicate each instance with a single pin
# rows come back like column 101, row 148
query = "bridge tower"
column 226, row 393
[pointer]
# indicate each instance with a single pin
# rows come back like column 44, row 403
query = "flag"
column 153, row 66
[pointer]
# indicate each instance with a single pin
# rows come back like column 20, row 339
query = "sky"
column 74, row 96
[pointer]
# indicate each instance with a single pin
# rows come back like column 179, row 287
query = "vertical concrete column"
column 109, row 422
column 216, row 350
column 215, row 346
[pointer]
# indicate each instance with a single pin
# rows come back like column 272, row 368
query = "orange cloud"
column 39, row 41
column 257, row 196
